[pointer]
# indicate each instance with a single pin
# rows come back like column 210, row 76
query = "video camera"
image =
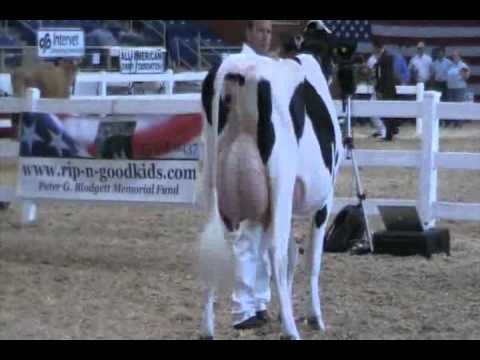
column 344, row 51
column 319, row 40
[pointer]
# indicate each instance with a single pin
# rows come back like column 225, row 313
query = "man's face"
column 260, row 36
column 456, row 57
column 378, row 51
column 420, row 50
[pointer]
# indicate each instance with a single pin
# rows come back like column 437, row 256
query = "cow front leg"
column 314, row 261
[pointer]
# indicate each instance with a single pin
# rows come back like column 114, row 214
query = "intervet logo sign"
column 54, row 43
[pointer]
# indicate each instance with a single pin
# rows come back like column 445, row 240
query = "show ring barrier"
column 427, row 161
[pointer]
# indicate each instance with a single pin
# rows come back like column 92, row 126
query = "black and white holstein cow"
column 274, row 147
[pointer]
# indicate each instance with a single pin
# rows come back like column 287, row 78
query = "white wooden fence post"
column 28, row 207
column 170, row 82
column 103, row 84
column 420, row 96
column 428, row 173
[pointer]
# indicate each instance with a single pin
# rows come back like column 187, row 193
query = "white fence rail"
column 427, row 161
column 96, row 83
column 90, row 84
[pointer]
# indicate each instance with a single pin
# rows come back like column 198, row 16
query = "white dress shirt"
column 422, row 64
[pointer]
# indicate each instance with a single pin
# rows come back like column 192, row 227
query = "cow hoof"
column 315, row 323
column 206, row 338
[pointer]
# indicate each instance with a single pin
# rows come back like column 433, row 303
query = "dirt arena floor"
column 116, row 272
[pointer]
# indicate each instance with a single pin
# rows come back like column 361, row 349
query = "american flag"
column 43, row 135
column 463, row 35
column 69, row 136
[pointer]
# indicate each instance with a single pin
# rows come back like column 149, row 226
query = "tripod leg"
column 358, row 183
column 361, row 196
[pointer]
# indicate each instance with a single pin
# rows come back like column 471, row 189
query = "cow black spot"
column 297, row 110
column 322, row 123
column 266, row 132
column 207, row 99
column 321, row 217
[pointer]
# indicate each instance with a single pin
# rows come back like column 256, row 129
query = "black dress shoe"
column 252, row 323
column 4, row 205
column 263, row 316
column 390, row 135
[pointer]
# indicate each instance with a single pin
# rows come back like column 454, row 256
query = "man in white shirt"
column 420, row 65
column 252, row 293
column 259, row 37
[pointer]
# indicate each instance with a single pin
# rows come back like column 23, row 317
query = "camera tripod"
column 350, row 155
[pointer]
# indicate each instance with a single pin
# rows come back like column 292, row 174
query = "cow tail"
column 215, row 253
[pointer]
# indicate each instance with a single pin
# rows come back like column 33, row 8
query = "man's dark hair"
column 377, row 44
column 287, row 42
column 250, row 24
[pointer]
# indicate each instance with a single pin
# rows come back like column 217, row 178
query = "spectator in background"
column 402, row 75
column 130, row 38
column 457, row 77
column 420, row 65
column 363, row 76
column 440, row 67
column 372, row 61
column 385, row 84
column 377, row 123
column 385, row 87
column 400, row 67
column 102, row 36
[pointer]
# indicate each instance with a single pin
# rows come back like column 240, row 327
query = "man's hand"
column 465, row 73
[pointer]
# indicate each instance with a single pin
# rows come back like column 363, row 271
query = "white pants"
column 379, row 126
column 378, row 122
column 252, row 274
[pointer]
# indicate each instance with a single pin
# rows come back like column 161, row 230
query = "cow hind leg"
column 292, row 264
column 279, row 274
column 278, row 236
column 314, row 262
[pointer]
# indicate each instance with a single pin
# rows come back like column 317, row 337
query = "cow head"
column 333, row 54
column 319, row 41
